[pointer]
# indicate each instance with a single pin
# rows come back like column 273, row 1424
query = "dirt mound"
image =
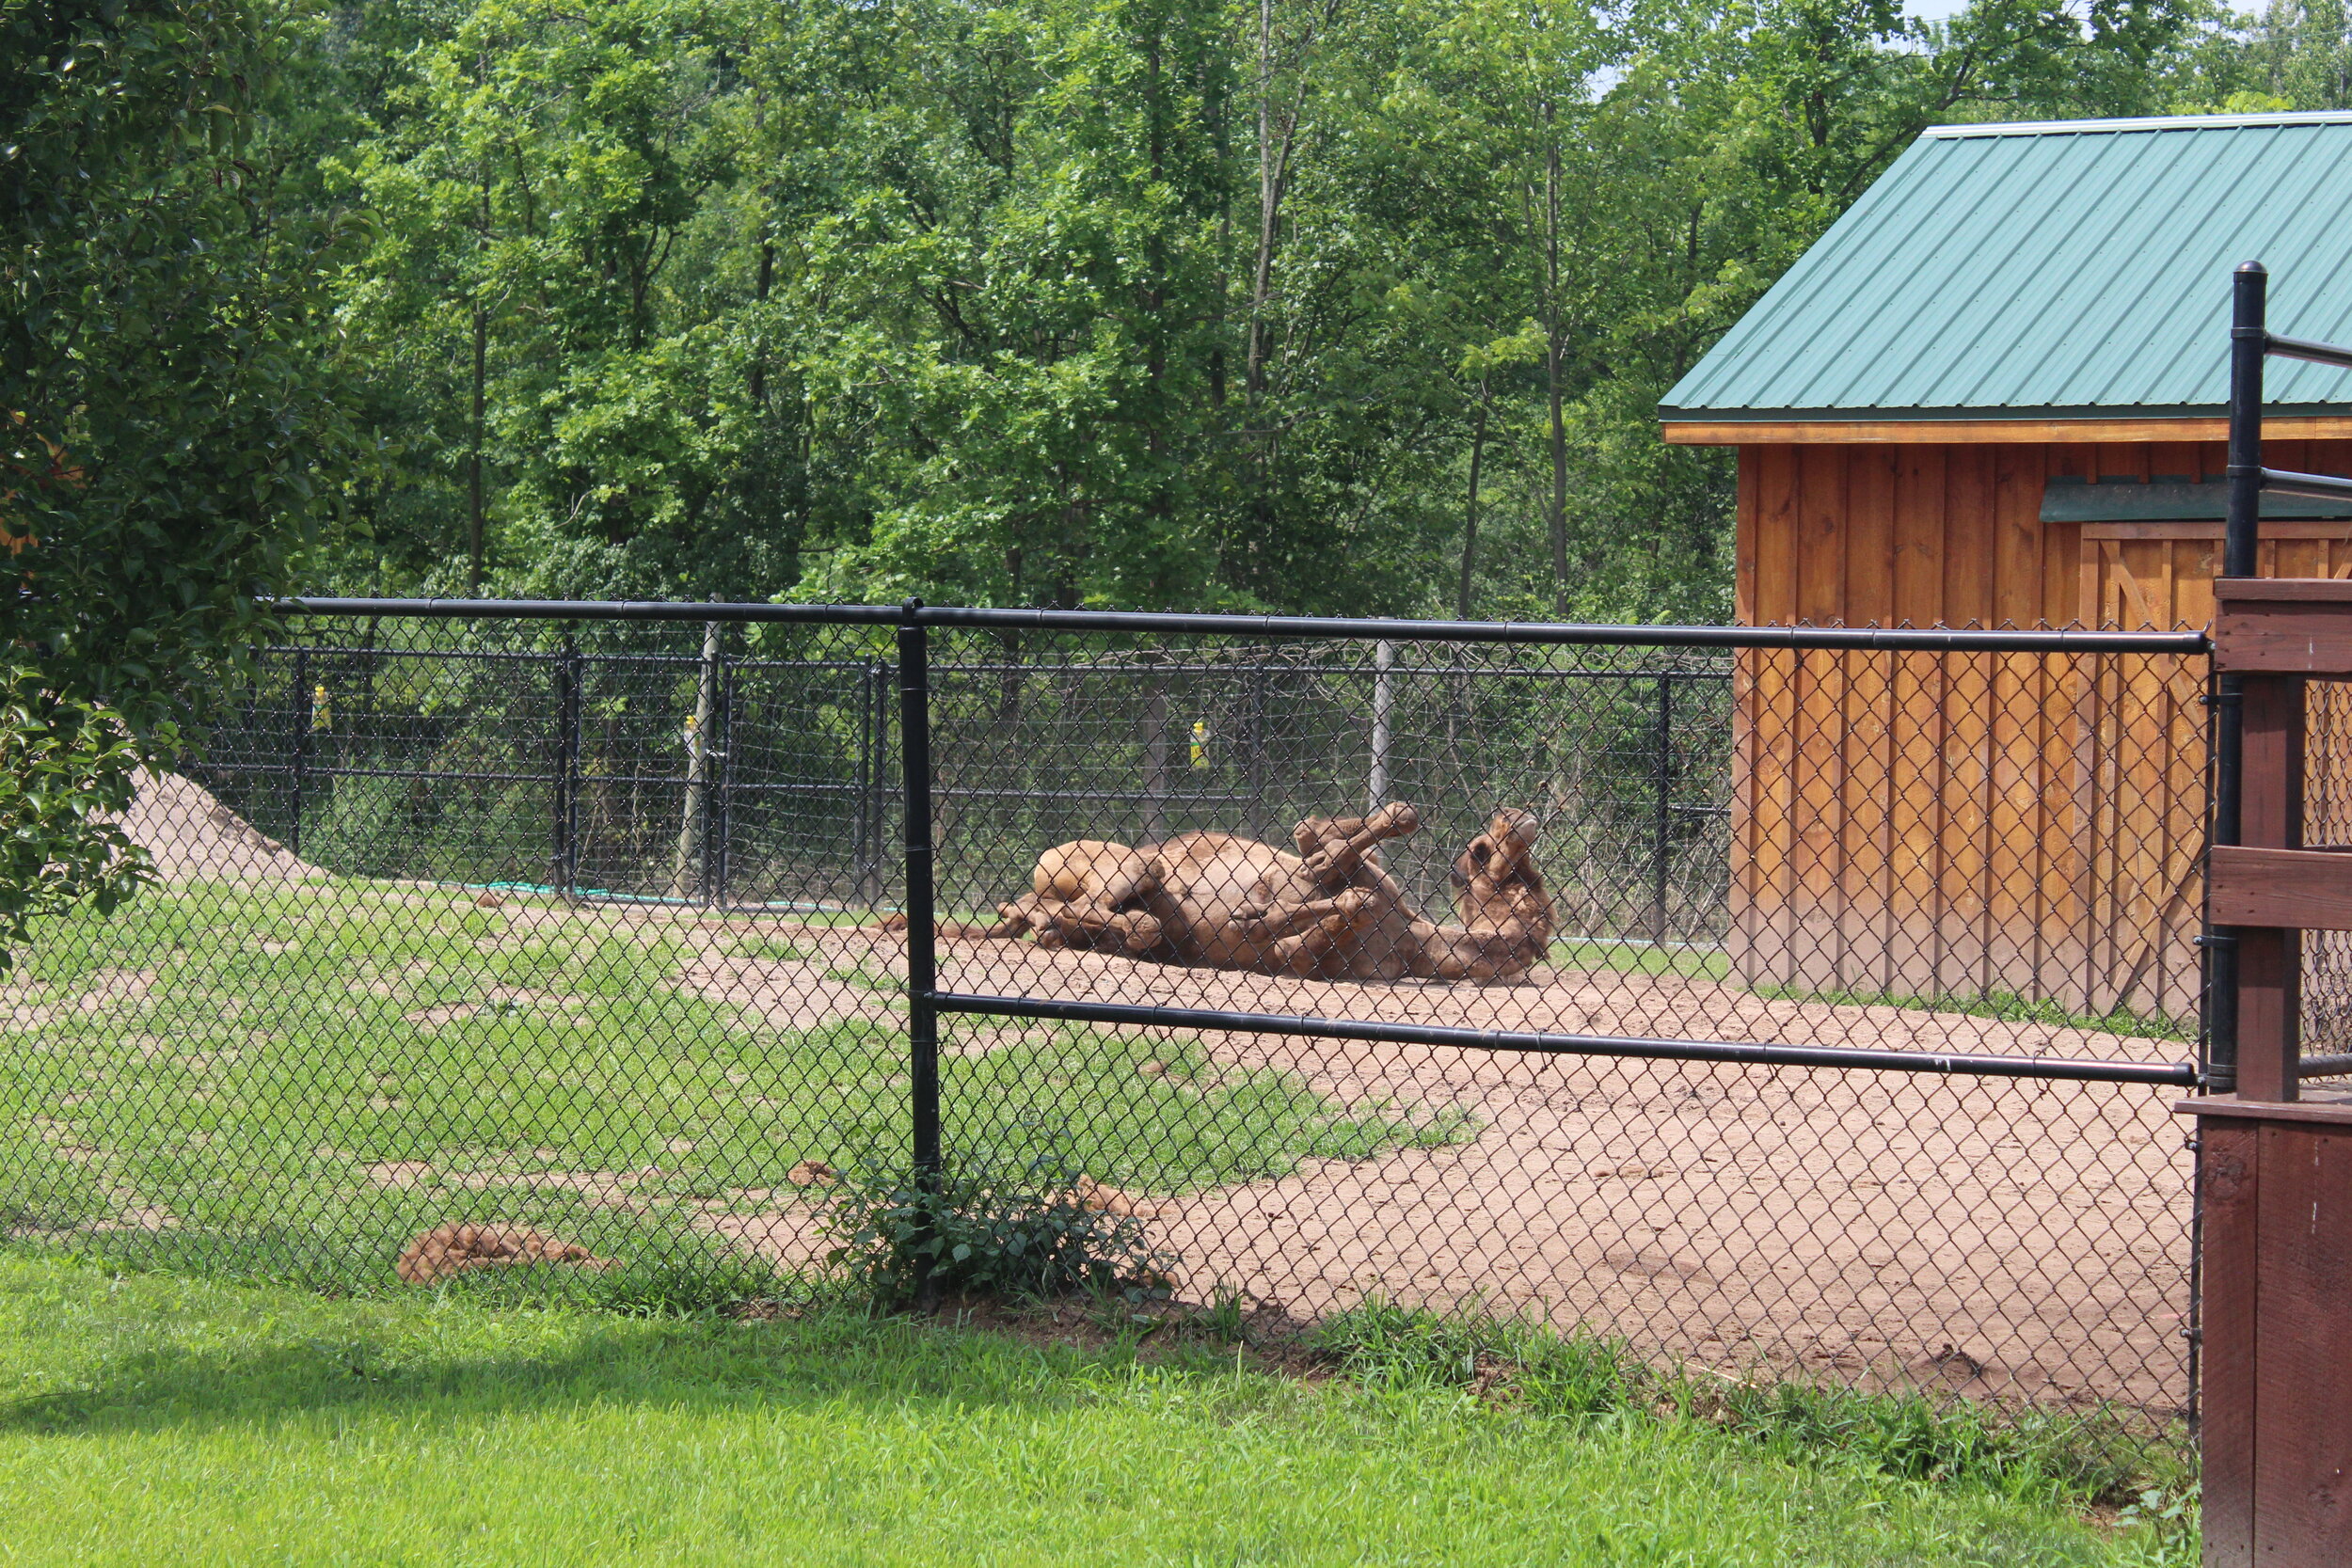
column 454, row 1248
column 193, row 836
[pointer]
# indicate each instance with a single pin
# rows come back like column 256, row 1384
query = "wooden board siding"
column 1929, row 825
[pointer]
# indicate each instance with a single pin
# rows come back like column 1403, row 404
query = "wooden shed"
column 1992, row 395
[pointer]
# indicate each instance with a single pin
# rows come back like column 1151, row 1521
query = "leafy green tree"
column 1011, row 328
column 1313, row 305
column 167, row 427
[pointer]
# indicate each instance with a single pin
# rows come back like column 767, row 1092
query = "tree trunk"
column 1559, row 518
column 759, row 357
column 473, row 482
column 1269, row 205
column 1469, row 521
column 690, row 873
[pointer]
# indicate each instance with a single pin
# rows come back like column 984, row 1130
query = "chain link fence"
column 1803, row 1001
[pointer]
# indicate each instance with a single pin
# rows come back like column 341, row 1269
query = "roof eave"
column 1734, row 427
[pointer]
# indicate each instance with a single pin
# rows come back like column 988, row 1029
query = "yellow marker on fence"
column 1201, row 743
column 321, row 717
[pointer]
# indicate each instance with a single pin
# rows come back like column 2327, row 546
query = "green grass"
column 2002, row 1005
column 768, row 946
column 303, row 1077
column 2051, row 1456
column 153, row 1419
column 1627, row 956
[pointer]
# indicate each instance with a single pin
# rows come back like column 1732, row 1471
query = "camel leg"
column 1283, row 920
column 1307, row 952
column 1341, row 846
column 1133, row 932
column 1013, row 923
column 1448, row 953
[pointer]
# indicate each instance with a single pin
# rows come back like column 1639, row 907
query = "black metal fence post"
column 301, row 766
column 719, row 825
column 870, row 812
column 1253, row 747
column 915, row 751
column 1663, row 781
column 567, row 823
column 2249, row 339
column 558, row 678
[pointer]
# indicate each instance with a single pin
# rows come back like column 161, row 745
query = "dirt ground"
column 2004, row 1239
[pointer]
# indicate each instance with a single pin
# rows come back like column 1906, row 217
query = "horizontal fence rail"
column 2054, row 1069
column 1804, row 1000
column 1562, row 633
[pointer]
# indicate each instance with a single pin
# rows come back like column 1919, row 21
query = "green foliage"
column 1399, row 1349
column 138, row 1412
column 66, row 771
column 165, row 412
column 1164, row 303
column 985, row 1226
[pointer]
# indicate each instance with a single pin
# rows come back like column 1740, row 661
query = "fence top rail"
column 1827, row 638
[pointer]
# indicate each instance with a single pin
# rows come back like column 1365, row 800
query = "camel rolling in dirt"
column 1330, row 911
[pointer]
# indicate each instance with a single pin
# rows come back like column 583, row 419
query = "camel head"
column 1496, row 884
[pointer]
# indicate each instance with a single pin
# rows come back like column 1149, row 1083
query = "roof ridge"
column 2144, row 122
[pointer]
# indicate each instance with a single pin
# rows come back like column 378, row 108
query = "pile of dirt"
column 194, row 837
column 456, row 1248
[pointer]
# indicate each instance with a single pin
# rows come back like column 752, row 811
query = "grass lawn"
column 291, row 1080
column 1632, row 956
column 148, row 1418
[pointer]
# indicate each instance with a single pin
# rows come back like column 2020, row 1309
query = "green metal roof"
column 2067, row 269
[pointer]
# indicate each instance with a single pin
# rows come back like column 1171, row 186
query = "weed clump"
column 1402, row 1349
column 2045, row 1457
column 983, row 1227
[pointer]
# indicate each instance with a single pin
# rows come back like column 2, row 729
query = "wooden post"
column 2270, row 957
column 2275, row 1167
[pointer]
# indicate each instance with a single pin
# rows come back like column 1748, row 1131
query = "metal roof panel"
column 2079, row 265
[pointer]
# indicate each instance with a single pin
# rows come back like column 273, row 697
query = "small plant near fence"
column 988, row 1225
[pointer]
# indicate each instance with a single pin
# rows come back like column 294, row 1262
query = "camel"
column 1330, row 911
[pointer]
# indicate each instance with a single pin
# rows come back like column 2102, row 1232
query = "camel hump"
column 1091, row 869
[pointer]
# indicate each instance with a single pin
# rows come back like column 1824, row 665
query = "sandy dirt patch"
column 100, row 992
column 2002, row 1238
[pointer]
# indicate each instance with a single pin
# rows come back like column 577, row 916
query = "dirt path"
column 2009, row 1238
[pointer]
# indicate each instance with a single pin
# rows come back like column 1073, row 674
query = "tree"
column 1308, row 305
column 169, row 430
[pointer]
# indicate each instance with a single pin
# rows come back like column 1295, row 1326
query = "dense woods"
column 1301, row 305
column 1308, row 305
column 1313, row 305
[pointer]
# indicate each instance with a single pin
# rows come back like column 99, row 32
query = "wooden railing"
column 2275, row 1166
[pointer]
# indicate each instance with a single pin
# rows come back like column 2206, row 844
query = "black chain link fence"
column 1805, row 1002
